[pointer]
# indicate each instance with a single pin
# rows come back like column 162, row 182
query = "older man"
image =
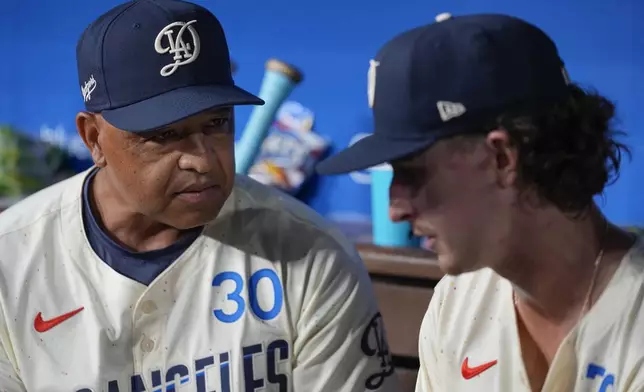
column 159, row 270
column 497, row 157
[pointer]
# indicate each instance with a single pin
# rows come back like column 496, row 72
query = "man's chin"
column 454, row 267
column 193, row 219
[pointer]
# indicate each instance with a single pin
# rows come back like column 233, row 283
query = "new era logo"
column 449, row 110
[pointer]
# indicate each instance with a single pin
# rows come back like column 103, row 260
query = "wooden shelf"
column 414, row 263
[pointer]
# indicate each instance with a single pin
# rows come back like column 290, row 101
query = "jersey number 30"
column 236, row 295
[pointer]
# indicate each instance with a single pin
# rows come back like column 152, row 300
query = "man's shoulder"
column 263, row 212
column 632, row 267
column 32, row 236
column 40, row 208
column 252, row 194
column 626, row 288
column 469, row 295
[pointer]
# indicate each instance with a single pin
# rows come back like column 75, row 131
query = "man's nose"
column 400, row 207
column 199, row 157
column 398, row 212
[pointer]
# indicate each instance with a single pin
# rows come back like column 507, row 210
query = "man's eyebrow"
column 154, row 132
column 413, row 159
column 226, row 111
column 213, row 113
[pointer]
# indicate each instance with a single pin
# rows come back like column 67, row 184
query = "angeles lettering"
column 260, row 364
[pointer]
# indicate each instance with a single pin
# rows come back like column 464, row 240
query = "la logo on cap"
column 184, row 53
column 371, row 81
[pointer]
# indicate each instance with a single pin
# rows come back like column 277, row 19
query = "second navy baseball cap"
column 149, row 63
column 450, row 77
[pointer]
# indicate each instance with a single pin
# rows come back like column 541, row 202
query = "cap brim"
column 176, row 105
column 370, row 151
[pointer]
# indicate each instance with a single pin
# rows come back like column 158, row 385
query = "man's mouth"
column 198, row 194
column 196, row 188
column 429, row 242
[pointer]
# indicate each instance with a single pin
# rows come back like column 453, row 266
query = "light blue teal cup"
column 385, row 232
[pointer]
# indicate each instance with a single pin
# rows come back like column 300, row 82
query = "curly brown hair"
column 569, row 152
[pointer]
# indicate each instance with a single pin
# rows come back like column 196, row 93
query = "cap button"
column 443, row 17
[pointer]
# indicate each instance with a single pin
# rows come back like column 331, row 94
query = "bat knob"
column 443, row 17
column 291, row 72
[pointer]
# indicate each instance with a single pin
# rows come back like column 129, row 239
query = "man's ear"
column 506, row 156
column 89, row 130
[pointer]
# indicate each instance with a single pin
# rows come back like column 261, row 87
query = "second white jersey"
column 268, row 298
column 469, row 340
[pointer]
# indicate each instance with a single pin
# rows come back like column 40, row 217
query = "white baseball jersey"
column 469, row 340
column 268, row 298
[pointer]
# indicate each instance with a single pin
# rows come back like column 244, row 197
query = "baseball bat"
column 279, row 81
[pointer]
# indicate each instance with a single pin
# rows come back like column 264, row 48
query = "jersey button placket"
column 145, row 323
column 148, row 307
column 147, row 345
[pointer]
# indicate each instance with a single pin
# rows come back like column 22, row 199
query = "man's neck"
column 131, row 230
column 553, row 266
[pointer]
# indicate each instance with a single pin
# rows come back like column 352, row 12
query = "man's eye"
column 217, row 126
column 170, row 134
column 218, row 122
column 409, row 176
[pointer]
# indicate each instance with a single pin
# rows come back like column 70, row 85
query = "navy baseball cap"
column 149, row 63
column 451, row 77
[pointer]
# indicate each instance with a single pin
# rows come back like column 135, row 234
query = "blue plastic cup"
column 386, row 232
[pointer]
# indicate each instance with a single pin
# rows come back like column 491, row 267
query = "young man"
column 157, row 269
column 497, row 157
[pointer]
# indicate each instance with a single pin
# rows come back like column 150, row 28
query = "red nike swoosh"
column 41, row 325
column 471, row 372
